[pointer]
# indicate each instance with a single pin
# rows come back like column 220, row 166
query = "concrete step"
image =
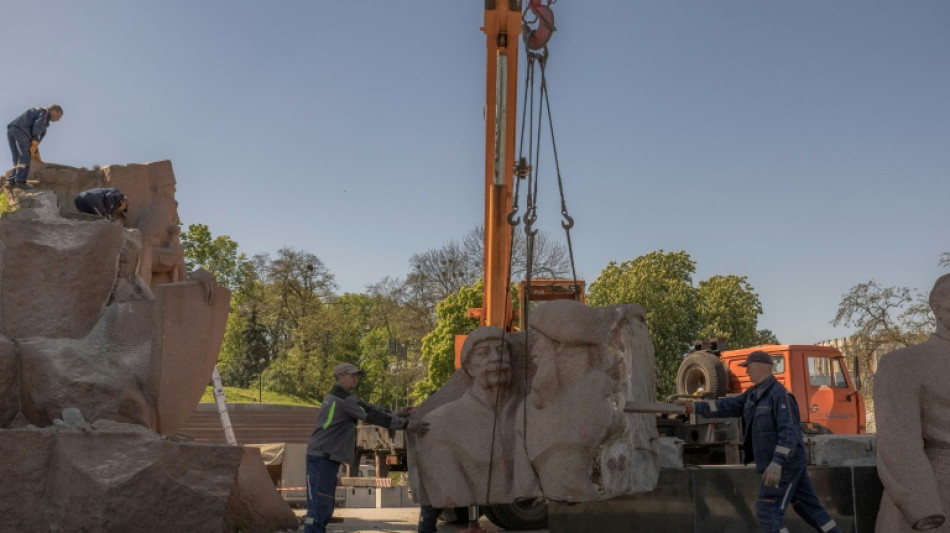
column 252, row 423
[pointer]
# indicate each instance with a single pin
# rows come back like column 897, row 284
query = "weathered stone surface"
column 590, row 362
column 497, row 437
column 91, row 333
column 84, row 337
column 474, row 452
column 841, row 450
column 9, row 382
column 56, row 276
column 180, row 340
column 61, row 373
column 71, row 480
column 912, row 408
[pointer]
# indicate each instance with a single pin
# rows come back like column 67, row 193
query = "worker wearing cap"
column 333, row 442
column 773, row 439
column 25, row 133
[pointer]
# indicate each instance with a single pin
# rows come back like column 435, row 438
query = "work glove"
column 686, row 404
column 418, row 427
column 772, row 475
column 929, row 522
column 35, row 150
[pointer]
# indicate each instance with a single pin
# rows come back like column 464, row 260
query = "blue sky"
column 802, row 144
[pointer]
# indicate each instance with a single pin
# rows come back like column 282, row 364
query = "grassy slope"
column 236, row 395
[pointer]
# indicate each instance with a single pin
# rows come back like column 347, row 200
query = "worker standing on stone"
column 333, row 442
column 25, row 133
column 104, row 202
column 773, row 439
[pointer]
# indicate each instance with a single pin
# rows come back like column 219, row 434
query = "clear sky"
column 803, row 144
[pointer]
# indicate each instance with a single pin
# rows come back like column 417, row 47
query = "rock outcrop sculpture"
column 99, row 322
column 504, row 428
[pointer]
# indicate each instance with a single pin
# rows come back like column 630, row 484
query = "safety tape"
column 381, row 483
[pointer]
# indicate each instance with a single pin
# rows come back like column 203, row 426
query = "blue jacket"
column 772, row 433
column 32, row 122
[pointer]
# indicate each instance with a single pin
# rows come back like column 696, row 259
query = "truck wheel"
column 519, row 516
column 702, row 373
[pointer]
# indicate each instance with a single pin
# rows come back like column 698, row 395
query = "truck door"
column 828, row 390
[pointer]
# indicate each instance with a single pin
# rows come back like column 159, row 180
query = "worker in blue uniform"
column 25, row 133
column 773, row 439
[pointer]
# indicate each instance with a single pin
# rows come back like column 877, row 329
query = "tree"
column 661, row 282
column 218, row 255
column 730, row 308
column 884, row 318
column 438, row 347
column 245, row 351
column 442, row 271
column 679, row 313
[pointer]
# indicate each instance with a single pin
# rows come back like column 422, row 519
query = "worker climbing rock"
column 333, row 442
column 773, row 439
column 104, row 202
column 25, row 133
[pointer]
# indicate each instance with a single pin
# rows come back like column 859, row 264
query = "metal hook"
column 570, row 221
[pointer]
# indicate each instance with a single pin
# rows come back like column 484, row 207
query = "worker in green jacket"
column 333, row 442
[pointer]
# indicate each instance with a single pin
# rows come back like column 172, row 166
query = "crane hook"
column 537, row 37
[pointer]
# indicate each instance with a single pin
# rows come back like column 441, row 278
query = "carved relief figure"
column 584, row 358
column 163, row 256
column 912, row 407
column 472, row 439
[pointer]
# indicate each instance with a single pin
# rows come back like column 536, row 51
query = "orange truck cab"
column 816, row 375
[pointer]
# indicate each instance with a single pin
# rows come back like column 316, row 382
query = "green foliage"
column 218, row 255
column 245, row 351
column 661, row 282
column 679, row 313
column 5, row 206
column 438, row 347
column 729, row 307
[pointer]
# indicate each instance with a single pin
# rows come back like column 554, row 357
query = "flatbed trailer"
column 721, row 499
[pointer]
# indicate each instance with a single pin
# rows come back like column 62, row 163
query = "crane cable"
column 535, row 39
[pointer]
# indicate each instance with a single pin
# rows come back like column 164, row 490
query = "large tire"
column 519, row 516
column 702, row 373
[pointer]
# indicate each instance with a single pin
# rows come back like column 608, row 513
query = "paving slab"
column 393, row 520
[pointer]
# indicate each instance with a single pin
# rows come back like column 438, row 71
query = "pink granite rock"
column 496, row 437
column 110, row 478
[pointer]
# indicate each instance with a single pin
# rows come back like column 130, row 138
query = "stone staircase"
column 252, row 423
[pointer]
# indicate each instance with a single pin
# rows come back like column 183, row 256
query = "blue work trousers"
column 321, row 491
column 20, row 148
column 794, row 488
column 428, row 516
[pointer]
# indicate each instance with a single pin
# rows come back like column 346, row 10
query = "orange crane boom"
column 502, row 31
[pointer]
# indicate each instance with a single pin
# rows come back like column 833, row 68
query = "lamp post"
column 260, row 385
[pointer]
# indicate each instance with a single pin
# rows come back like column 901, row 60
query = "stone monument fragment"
column 511, row 425
column 106, row 345
column 912, row 409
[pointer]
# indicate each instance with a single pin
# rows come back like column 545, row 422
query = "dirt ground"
column 393, row 520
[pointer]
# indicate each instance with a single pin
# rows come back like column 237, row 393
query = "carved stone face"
column 940, row 302
column 489, row 363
